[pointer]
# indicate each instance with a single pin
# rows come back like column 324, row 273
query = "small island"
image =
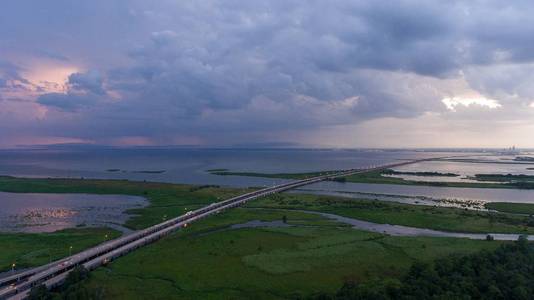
column 524, row 158
column 150, row 171
column 393, row 172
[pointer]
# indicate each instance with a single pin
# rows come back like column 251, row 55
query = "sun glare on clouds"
column 452, row 103
column 50, row 79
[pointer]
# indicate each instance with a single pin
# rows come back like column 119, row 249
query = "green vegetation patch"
column 216, row 170
column 272, row 175
column 505, row 273
column 209, row 260
column 393, row 172
column 203, row 262
column 504, row 177
column 438, row 218
column 34, row 249
column 150, row 171
column 514, row 208
column 524, row 158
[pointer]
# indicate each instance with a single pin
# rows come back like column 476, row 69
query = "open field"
column 438, row 218
column 266, row 263
column 35, row 249
column 514, row 208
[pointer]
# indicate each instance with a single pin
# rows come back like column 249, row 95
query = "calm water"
column 51, row 212
column 500, row 165
column 189, row 165
column 483, row 194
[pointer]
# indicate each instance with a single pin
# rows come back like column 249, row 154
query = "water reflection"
column 464, row 169
column 423, row 192
column 189, row 165
column 415, row 200
column 51, row 212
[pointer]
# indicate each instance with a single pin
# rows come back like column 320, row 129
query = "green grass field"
column 34, row 249
column 514, row 208
column 438, row 218
column 265, row 263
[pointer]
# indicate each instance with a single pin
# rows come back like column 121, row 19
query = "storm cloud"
column 218, row 72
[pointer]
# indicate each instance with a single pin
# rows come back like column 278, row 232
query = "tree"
column 505, row 273
column 40, row 292
column 75, row 276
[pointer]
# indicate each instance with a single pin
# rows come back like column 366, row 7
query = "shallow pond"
column 51, row 212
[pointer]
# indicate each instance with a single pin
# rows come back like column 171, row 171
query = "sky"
column 267, row 73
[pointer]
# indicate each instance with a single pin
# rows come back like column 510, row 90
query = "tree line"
column 505, row 273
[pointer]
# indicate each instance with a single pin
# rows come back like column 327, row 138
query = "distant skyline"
column 347, row 74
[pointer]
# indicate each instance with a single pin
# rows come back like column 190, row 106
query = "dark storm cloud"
column 210, row 68
column 10, row 71
column 52, row 55
column 90, row 81
column 83, row 90
column 66, row 102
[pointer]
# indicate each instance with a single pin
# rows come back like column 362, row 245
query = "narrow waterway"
column 399, row 230
column 395, row 230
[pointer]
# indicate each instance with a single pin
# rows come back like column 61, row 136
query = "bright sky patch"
column 453, row 102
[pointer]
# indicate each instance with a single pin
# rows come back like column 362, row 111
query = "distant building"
column 510, row 151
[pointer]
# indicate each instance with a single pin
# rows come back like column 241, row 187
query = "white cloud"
column 453, row 102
